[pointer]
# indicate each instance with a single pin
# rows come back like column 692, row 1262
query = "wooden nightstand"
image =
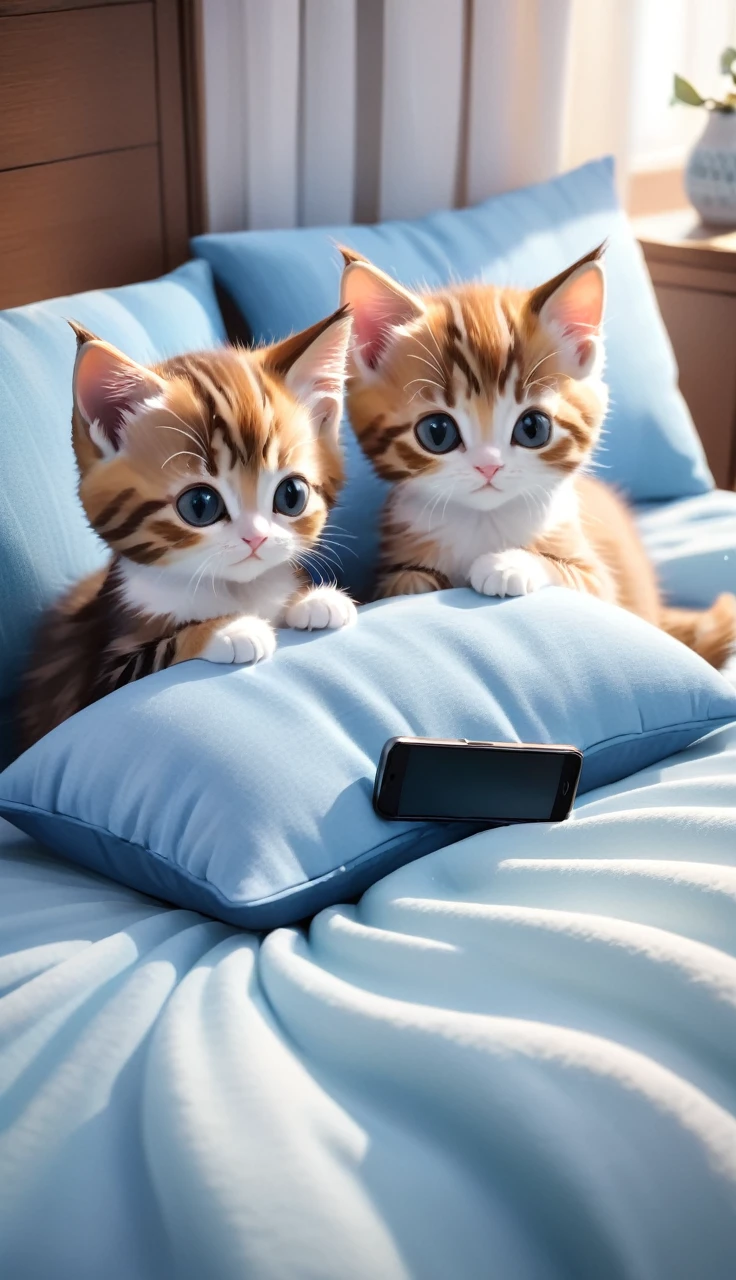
column 694, row 273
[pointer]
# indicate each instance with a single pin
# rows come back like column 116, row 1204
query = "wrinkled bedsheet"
column 513, row 1058
column 692, row 543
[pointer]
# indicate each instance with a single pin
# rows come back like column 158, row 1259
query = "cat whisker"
column 433, row 508
column 328, row 554
column 327, row 577
column 181, row 454
column 166, row 426
column 215, row 592
column 189, row 426
column 433, row 489
column 202, row 569
column 529, row 500
column 340, row 528
column 332, row 543
column 547, row 384
column 431, row 364
column 428, row 382
column 550, row 356
column 450, row 492
column 416, row 395
column 439, row 359
column 430, row 331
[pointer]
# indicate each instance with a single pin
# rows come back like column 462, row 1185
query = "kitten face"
column 222, row 464
column 477, row 395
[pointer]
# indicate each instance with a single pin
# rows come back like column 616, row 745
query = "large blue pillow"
column 284, row 280
column 45, row 541
column 246, row 793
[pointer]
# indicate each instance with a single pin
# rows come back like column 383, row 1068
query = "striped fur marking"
column 214, row 432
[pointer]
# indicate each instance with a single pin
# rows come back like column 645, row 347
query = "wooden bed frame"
column 99, row 163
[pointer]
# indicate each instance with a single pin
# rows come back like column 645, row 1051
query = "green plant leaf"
column 728, row 57
column 684, row 92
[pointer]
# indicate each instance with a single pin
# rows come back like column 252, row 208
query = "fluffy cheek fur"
column 130, row 500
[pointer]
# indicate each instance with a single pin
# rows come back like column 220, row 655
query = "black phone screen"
column 481, row 782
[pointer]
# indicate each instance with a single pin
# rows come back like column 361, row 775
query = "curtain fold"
column 518, row 88
column 319, row 111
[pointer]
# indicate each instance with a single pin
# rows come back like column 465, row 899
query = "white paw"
column 241, row 640
column 508, row 573
column 324, row 607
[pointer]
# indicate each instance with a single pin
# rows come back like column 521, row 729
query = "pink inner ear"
column 376, row 309
column 107, row 386
column 578, row 306
column 320, row 370
column 373, row 324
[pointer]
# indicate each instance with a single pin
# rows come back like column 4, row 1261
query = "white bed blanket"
column 514, row 1058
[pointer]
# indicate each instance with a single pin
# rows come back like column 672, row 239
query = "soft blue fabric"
column 246, row 793
column 692, row 545
column 45, row 542
column 284, row 280
column 514, row 1059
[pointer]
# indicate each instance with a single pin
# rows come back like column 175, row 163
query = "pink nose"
column 255, row 542
column 490, row 469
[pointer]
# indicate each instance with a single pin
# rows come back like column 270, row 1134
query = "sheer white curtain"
column 340, row 110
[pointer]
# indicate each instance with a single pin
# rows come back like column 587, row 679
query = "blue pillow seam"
column 21, row 807
column 18, row 806
column 655, row 733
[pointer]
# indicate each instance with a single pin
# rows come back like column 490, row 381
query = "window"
column 686, row 36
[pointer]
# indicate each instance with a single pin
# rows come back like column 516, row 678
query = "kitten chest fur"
column 459, row 534
column 146, row 590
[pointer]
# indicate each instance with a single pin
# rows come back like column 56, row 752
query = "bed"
column 513, row 1057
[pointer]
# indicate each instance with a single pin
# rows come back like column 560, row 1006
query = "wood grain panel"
column 11, row 8
column 79, row 224
column 74, row 83
column 173, row 160
column 702, row 328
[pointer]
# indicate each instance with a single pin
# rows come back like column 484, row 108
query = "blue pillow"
column 246, row 793
column 45, row 541
column 285, row 280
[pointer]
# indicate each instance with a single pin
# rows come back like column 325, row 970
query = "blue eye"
column 200, row 506
column 291, row 496
column 532, row 430
column 438, row 433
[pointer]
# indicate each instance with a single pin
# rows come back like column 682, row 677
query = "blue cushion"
column 246, row 793
column 284, row 280
column 45, row 541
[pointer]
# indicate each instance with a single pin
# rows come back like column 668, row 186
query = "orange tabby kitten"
column 481, row 405
column 209, row 476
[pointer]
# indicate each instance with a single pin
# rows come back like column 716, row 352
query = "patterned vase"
column 710, row 173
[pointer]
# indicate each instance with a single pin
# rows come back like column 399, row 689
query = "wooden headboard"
column 98, row 172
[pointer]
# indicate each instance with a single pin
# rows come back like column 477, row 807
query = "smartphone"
column 453, row 780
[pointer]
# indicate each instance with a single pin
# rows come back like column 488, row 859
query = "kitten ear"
column 378, row 305
column 350, row 255
column 571, row 307
column 107, row 387
column 81, row 334
column 313, row 365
